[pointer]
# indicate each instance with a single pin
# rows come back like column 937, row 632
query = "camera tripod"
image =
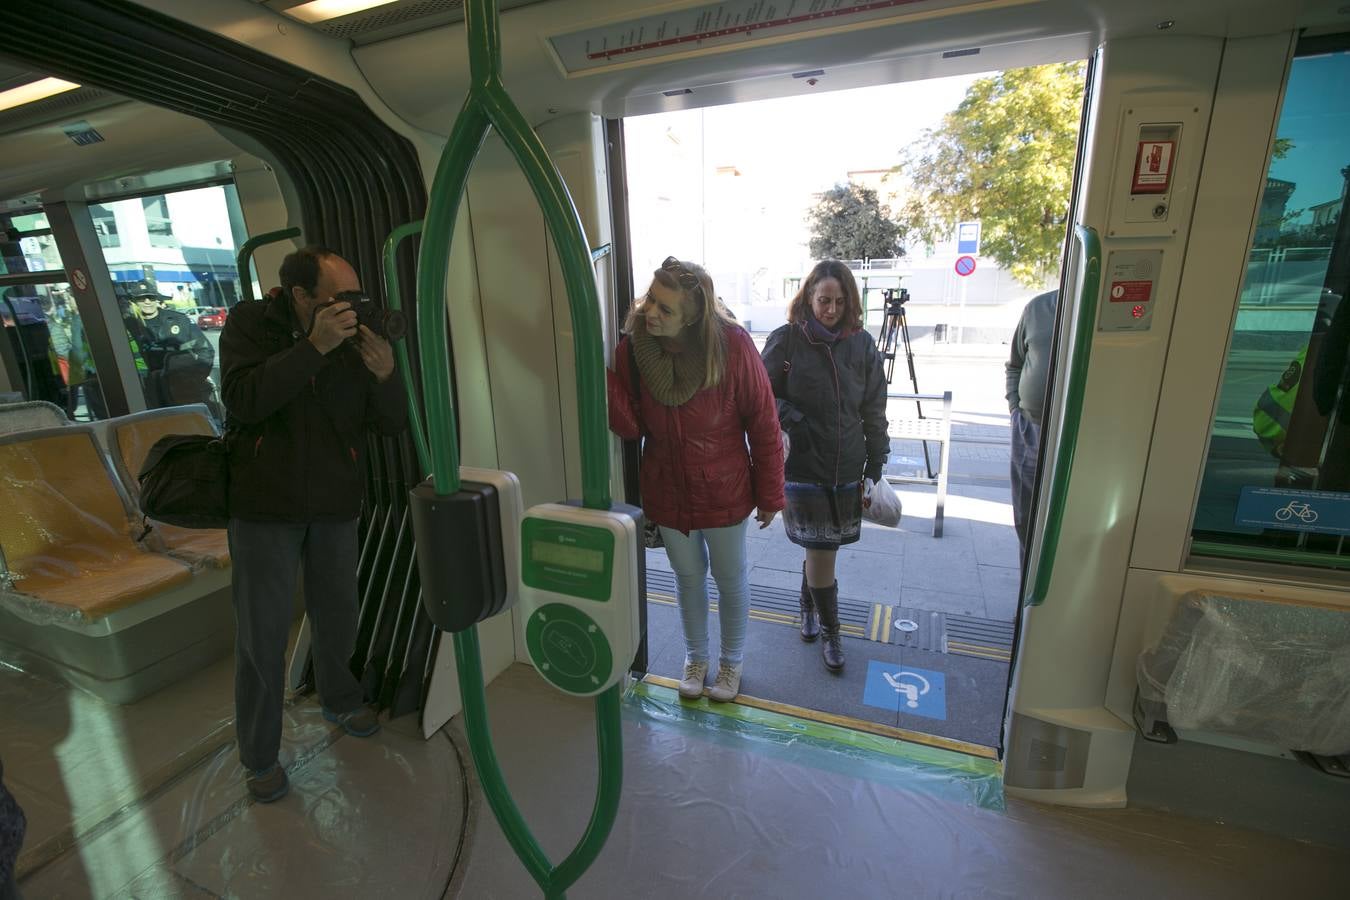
column 895, row 329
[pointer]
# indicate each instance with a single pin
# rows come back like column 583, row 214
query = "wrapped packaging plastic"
column 1275, row 673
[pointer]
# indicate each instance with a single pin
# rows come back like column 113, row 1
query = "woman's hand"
column 765, row 518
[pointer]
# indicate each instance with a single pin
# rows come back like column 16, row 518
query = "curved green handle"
column 487, row 105
column 394, row 296
column 1090, row 264
column 244, row 257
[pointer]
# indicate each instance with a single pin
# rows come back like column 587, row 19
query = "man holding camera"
column 304, row 380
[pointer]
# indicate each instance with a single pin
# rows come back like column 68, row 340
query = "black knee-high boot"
column 827, row 603
column 810, row 623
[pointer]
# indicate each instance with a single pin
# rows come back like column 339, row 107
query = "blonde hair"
column 829, row 268
column 708, row 317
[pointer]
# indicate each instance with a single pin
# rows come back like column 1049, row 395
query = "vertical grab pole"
column 394, row 295
column 1090, row 268
column 487, row 104
column 244, row 257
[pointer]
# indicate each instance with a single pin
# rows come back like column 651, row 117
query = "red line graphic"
column 755, row 26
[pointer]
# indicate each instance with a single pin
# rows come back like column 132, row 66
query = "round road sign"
column 965, row 265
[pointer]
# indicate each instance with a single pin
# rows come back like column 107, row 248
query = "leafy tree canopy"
column 1005, row 157
column 849, row 222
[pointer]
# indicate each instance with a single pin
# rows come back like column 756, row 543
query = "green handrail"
column 394, row 294
column 244, row 257
column 1090, row 265
column 1244, row 553
column 488, row 104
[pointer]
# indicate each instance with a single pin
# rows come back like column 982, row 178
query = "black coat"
column 297, row 419
column 832, row 404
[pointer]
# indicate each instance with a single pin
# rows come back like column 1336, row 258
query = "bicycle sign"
column 1321, row 512
column 1303, row 511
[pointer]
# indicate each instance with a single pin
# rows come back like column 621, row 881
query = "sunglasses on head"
column 672, row 268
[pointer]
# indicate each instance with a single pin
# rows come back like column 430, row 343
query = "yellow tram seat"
column 129, row 439
column 65, row 534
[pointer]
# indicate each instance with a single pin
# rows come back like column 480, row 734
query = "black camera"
column 390, row 324
column 895, row 298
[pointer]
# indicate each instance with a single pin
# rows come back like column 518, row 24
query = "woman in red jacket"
column 711, row 452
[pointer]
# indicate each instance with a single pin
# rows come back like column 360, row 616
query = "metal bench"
column 931, row 426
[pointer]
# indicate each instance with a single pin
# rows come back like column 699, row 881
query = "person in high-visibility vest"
column 1275, row 407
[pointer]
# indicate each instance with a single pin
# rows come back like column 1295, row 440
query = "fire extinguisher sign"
column 1153, row 166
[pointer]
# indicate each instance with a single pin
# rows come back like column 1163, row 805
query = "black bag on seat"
column 185, row 481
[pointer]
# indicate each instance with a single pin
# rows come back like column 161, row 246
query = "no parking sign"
column 965, row 265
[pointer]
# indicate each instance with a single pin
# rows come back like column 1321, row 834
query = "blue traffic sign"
column 917, row 692
column 1324, row 512
column 968, row 237
column 965, row 265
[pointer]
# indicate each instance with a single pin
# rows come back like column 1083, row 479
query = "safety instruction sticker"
column 1153, row 167
column 1323, row 512
column 906, row 689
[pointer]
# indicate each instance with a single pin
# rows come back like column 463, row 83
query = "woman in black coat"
column 828, row 380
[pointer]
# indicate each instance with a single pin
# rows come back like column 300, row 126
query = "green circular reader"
column 569, row 648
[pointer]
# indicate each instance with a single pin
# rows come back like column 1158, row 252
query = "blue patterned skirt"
column 823, row 517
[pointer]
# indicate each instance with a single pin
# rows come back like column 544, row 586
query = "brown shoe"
column 360, row 722
column 268, row 785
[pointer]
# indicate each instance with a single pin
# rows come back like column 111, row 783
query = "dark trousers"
column 1025, row 450
column 266, row 557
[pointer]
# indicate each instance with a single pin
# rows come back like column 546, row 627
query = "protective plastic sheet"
column 30, row 415
column 1275, row 673
column 710, row 814
column 65, row 535
column 954, row 776
column 149, row 800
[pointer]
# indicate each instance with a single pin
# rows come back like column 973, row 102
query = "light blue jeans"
column 689, row 557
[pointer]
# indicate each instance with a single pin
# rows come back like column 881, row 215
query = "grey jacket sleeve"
column 1013, row 367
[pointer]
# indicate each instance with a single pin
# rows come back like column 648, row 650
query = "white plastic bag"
column 880, row 503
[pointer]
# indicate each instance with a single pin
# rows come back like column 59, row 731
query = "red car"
column 214, row 319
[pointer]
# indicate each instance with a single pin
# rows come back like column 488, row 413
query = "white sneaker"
column 691, row 686
column 728, row 683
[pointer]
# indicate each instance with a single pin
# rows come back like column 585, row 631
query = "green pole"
column 488, row 104
column 1090, row 264
column 395, row 298
column 244, row 257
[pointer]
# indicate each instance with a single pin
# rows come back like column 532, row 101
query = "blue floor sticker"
column 918, row 692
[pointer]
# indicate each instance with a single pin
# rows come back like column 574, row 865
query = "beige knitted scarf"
column 671, row 377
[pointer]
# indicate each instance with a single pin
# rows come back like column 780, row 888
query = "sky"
column 1316, row 118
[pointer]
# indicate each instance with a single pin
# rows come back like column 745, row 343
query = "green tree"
column 1004, row 157
column 849, row 222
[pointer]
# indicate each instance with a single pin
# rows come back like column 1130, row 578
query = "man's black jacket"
column 298, row 419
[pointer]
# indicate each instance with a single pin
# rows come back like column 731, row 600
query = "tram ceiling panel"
column 137, row 139
column 389, row 19
column 416, row 75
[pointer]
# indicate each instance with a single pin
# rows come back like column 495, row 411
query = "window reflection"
column 172, row 260
column 1278, row 471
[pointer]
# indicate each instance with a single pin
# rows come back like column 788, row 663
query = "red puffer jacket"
column 696, row 469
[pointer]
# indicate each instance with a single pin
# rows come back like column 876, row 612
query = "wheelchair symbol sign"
column 905, row 689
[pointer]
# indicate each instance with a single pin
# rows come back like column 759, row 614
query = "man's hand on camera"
column 333, row 324
column 376, row 354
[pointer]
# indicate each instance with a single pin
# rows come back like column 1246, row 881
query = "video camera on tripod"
column 895, row 333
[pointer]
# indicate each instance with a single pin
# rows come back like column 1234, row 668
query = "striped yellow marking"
column 876, row 619
column 980, row 650
column 760, row 615
column 813, row 715
column 886, row 628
